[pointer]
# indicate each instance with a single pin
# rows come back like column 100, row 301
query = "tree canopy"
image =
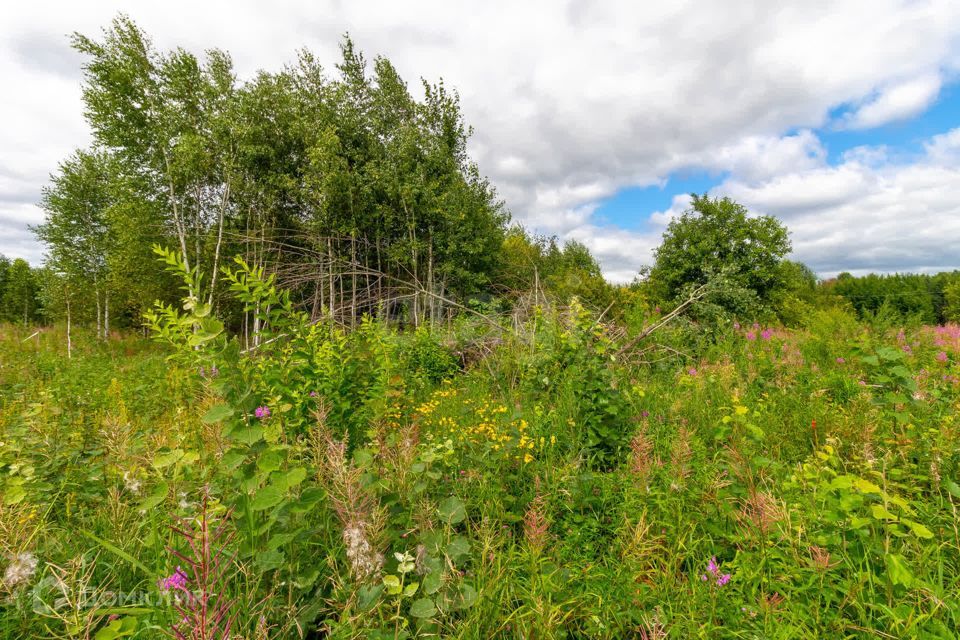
column 718, row 237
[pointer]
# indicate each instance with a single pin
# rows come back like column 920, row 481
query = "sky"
column 594, row 120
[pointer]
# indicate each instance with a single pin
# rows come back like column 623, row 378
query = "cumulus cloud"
column 868, row 216
column 896, row 102
column 570, row 103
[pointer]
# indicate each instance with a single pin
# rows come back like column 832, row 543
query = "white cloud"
column 896, row 102
column 862, row 216
column 570, row 103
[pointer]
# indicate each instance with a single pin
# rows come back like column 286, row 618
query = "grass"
column 548, row 490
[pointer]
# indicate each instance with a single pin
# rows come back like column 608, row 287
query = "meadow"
column 534, row 478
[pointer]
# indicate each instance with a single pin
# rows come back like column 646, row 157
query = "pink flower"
column 176, row 580
column 736, row 325
column 840, row 360
column 766, row 334
column 942, row 356
column 262, row 412
column 692, row 371
column 713, row 571
column 750, row 335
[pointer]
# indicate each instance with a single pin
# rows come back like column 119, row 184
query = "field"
column 466, row 482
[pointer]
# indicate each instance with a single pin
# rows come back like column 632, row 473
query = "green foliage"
column 718, row 237
column 347, row 165
column 18, row 302
column 896, row 297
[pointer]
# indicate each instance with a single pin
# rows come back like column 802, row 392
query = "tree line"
column 359, row 197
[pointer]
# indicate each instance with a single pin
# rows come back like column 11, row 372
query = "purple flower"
column 942, row 356
column 736, row 326
column 692, row 371
column 262, row 412
column 177, row 580
column 750, row 335
column 766, row 334
column 656, row 309
column 840, row 360
column 313, row 394
column 713, row 571
column 645, row 413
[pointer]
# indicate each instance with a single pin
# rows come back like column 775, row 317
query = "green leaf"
column 269, row 460
column 452, row 510
column 468, row 597
column 880, row 512
column 392, row 583
column 217, row 413
column 953, row 488
column 898, row 570
column 156, row 498
column 269, row 496
column 247, row 433
column 163, row 460
column 423, row 608
column 459, row 547
column 292, row 478
column 918, row 529
column 271, row 559
column 117, row 551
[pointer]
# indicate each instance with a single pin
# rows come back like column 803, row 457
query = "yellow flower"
column 527, row 458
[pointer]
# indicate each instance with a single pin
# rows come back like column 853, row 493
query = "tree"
column 717, row 236
column 20, row 295
column 76, row 229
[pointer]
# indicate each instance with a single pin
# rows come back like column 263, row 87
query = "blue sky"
column 631, row 208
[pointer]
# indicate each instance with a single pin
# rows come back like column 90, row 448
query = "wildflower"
column 20, row 570
column 766, row 334
column 177, row 580
column 713, row 569
column 750, row 335
column 840, row 361
column 942, row 356
column 692, row 371
column 262, row 412
column 527, row 458
column 736, row 326
column 313, row 394
column 645, row 413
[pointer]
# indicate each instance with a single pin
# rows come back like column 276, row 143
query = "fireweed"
column 203, row 612
column 713, row 574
